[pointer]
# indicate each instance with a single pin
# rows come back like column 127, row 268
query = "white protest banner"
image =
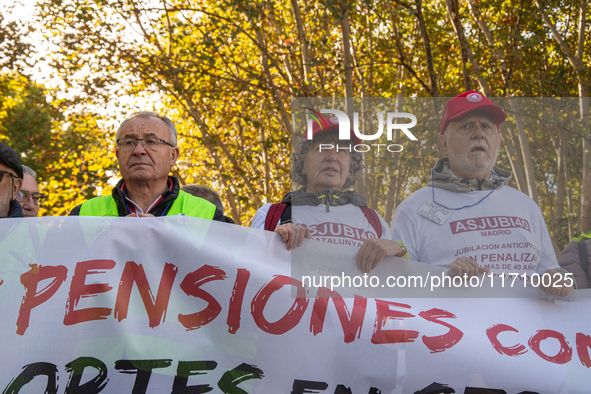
column 184, row 305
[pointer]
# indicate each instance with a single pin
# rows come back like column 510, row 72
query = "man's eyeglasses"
column 2, row 173
column 25, row 195
column 151, row 143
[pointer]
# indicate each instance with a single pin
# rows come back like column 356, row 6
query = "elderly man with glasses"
column 11, row 178
column 30, row 196
column 146, row 151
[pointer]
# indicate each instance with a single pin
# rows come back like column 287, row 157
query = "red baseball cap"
column 468, row 102
column 322, row 124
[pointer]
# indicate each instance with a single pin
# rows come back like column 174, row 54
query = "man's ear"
column 16, row 187
column 174, row 155
column 442, row 141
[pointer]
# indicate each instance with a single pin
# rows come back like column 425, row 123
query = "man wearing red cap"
column 468, row 219
column 324, row 209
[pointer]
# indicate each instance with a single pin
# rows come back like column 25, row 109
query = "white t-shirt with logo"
column 342, row 225
column 505, row 232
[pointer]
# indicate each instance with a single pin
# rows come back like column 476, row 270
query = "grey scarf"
column 329, row 197
column 444, row 179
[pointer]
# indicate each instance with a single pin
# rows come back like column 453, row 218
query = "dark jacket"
column 16, row 211
column 159, row 210
column 570, row 261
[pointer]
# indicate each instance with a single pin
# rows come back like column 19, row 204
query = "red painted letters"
column 79, row 289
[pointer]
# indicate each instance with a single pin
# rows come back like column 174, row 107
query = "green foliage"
column 83, row 162
column 27, row 118
column 14, row 50
column 66, row 152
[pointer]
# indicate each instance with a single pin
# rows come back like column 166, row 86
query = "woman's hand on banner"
column 293, row 235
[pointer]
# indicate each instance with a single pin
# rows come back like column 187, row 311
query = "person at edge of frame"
column 11, row 179
column 210, row 195
column 30, row 196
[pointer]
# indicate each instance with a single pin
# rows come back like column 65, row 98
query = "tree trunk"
column 489, row 37
column 552, row 228
column 426, row 43
column 577, row 64
column 584, row 108
column 233, row 208
column 285, row 122
column 348, row 64
column 453, row 9
column 266, row 188
column 584, row 101
column 347, row 61
column 514, row 158
column 560, row 175
column 569, row 200
column 528, row 163
column 395, row 179
column 302, row 40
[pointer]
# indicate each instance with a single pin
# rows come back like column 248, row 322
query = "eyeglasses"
column 2, row 173
column 25, row 195
column 151, row 143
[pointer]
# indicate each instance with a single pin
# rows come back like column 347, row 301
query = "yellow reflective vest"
column 184, row 204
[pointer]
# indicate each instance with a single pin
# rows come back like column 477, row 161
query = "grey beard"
column 468, row 166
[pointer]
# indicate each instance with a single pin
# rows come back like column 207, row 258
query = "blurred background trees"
column 226, row 72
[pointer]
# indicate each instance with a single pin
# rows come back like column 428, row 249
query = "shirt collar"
column 134, row 208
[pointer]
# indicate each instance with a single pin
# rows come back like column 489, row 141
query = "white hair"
column 146, row 115
column 29, row 171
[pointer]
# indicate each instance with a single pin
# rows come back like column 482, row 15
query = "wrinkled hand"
column 140, row 215
column 465, row 265
column 373, row 251
column 293, row 235
column 558, row 287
